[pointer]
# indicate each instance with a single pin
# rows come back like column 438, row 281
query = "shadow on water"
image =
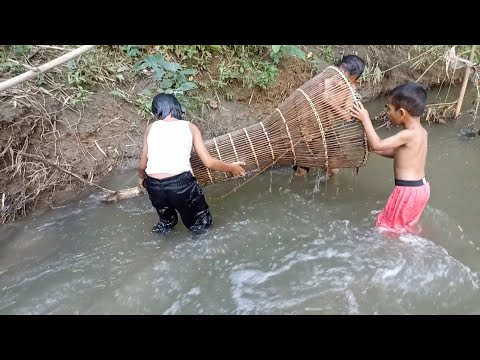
column 279, row 245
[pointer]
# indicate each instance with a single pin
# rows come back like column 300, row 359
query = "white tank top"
column 169, row 147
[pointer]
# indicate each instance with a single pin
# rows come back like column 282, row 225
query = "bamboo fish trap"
column 312, row 127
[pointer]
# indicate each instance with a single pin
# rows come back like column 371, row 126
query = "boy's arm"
column 142, row 165
column 385, row 153
column 374, row 140
column 208, row 160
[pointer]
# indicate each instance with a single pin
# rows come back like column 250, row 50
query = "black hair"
column 353, row 64
column 410, row 96
column 165, row 104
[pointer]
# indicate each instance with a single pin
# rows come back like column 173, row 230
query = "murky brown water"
column 279, row 245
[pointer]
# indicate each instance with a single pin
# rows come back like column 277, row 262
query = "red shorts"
column 405, row 206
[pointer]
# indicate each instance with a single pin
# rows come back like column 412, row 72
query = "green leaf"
column 71, row 64
column 22, row 48
column 179, row 77
column 133, row 51
column 215, row 47
column 276, row 48
column 296, row 51
column 119, row 94
column 171, row 66
column 189, row 72
column 152, row 61
column 166, row 84
column 187, row 86
column 155, row 60
column 73, row 101
column 183, row 101
column 169, row 91
column 140, row 65
column 158, row 74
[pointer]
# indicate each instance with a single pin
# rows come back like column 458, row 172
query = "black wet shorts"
column 180, row 193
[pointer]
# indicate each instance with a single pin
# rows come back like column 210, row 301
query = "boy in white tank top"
column 165, row 172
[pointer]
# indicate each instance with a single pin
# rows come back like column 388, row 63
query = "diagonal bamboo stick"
column 45, row 67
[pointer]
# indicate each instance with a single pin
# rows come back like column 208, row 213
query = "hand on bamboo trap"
column 236, row 170
column 360, row 113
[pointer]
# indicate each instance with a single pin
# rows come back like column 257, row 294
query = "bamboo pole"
column 45, row 67
column 464, row 84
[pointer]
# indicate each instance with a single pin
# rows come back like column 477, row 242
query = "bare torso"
column 409, row 159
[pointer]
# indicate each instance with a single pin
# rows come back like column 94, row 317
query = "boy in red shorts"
column 408, row 149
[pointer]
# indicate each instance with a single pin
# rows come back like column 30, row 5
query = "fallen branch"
column 45, row 67
column 414, row 58
column 99, row 148
column 111, row 196
column 440, row 58
column 51, row 47
column 442, row 104
column 108, row 123
column 7, row 147
column 123, row 194
column 49, row 163
column 28, row 67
